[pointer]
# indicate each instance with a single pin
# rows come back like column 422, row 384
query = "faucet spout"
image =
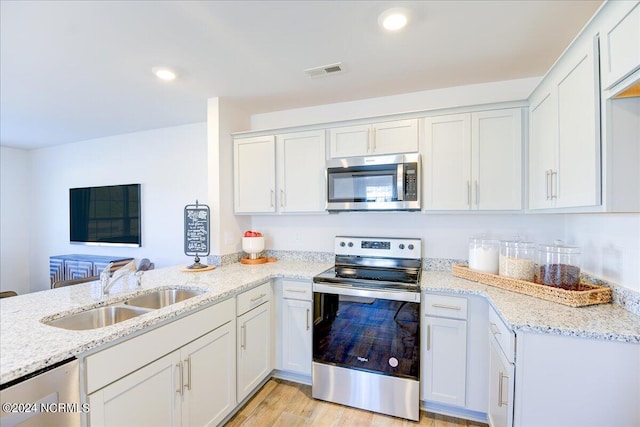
column 107, row 280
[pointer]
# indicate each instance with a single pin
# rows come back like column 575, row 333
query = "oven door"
column 368, row 330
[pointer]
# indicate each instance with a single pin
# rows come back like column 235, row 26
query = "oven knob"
column 342, row 244
column 401, row 246
column 393, row 362
column 350, row 244
column 410, row 247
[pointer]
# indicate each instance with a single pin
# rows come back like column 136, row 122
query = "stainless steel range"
column 366, row 331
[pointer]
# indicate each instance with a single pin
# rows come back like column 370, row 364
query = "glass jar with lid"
column 558, row 265
column 517, row 259
column 483, row 255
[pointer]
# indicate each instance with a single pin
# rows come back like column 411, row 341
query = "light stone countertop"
column 27, row 345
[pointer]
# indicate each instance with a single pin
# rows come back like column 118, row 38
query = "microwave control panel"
column 411, row 181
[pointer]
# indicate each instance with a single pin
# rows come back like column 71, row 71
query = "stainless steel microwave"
column 374, row 183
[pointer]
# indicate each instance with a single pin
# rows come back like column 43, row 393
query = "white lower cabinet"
column 501, row 380
column 254, row 339
column 454, row 355
column 189, row 381
column 295, row 327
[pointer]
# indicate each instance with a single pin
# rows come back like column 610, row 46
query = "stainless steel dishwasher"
column 48, row 398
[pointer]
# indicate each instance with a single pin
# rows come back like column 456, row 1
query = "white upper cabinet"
column 473, row 161
column 283, row 173
column 254, row 174
column 620, row 43
column 400, row 136
column 301, row 172
column 564, row 147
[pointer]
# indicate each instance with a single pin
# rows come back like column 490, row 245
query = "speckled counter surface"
column 528, row 314
column 27, row 345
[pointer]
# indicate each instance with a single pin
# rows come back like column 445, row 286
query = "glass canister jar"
column 483, row 255
column 559, row 266
column 517, row 260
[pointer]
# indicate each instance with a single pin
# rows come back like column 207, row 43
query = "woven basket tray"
column 590, row 295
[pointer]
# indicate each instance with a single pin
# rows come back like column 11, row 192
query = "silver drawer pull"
column 448, row 307
column 299, row 291
column 501, row 401
column 259, row 297
column 494, row 329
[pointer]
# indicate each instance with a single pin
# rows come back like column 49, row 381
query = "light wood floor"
column 284, row 403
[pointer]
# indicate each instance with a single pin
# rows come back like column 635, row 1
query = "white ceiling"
column 77, row 70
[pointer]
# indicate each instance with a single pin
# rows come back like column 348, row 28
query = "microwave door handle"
column 400, row 181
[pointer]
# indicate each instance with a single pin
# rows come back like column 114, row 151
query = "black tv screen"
column 107, row 215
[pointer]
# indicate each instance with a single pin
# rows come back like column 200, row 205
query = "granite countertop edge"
column 28, row 345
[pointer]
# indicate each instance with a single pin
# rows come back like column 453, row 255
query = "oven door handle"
column 392, row 295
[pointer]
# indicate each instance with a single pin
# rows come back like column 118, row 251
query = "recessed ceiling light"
column 164, row 73
column 394, row 19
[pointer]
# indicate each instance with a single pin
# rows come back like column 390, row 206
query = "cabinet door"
column 149, row 396
column 578, row 173
column 349, row 141
column 501, row 386
column 543, row 142
column 254, row 174
column 444, row 378
column 254, row 349
column 301, row 172
column 209, row 377
column 400, row 136
column 447, row 170
column 621, row 45
column 496, row 156
column 296, row 336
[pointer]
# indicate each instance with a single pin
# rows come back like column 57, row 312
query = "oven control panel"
column 391, row 247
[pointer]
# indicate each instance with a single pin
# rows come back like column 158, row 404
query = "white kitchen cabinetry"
column 300, row 169
column 254, row 339
column 400, row 136
column 283, row 173
column 454, row 355
column 564, row 145
column 295, row 327
column 473, row 161
column 501, row 372
column 254, row 174
column 620, row 43
column 178, row 374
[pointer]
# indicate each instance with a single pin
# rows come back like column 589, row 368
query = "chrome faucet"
column 107, row 280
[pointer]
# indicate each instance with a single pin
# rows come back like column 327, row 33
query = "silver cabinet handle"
column 369, row 141
column 428, row 337
column 501, row 378
column 282, row 204
column 494, row 329
column 554, row 194
column 179, row 367
column 273, row 198
column 187, row 362
column 243, row 336
column 448, row 307
column 308, row 319
column 546, row 184
column 298, row 291
column 258, row 298
column 375, row 137
column 469, row 193
column 477, row 194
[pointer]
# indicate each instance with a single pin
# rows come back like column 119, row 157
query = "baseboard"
column 454, row 411
column 291, row 376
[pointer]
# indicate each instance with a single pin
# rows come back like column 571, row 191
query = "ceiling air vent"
column 325, row 70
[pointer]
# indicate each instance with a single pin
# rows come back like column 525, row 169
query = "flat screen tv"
column 108, row 215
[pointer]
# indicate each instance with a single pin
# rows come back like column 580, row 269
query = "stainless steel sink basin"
column 96, row 318
column 162, row 298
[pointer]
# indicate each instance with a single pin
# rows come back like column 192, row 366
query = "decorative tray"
column 587, row 294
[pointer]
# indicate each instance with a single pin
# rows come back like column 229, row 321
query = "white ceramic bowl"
column 253, row 246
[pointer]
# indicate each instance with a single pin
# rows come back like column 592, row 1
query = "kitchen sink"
column 162, row 298
column 97, row 317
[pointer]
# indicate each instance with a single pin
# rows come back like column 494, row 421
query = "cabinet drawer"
column 446, row 306
column 253, row 298
column 503, row 335
column 296, row 290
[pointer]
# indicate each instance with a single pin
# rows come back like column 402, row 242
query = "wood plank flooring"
column 284, row 403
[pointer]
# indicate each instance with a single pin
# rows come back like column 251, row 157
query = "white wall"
column 171, row 165
column 610, row 245
column 14, row 220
